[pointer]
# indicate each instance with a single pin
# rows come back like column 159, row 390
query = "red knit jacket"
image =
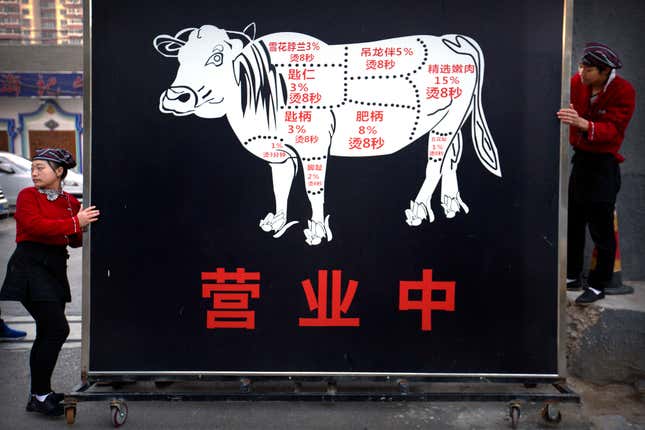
column 50, row 222
column 608, row 116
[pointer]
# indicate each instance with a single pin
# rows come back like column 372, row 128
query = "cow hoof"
column 315, row 233
column 273, row 222
column 452, row 205
column 417, row 213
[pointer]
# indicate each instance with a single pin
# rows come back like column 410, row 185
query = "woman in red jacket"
column 602, row 103
column 47, row 220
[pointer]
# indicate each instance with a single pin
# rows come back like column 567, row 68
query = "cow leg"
column 318, row 226
column 282, row 174
column 450, row 198
column 420, row 208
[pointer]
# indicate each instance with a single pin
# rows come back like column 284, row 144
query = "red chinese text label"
column 293, row 46
column 297, row 116
column 426, row 304
column 379, row 64
column 369, row 116
column 386, row 52
column 230, row 292
column 366, row 142
column 451, row 68
column 443, row 92
column 319, row 302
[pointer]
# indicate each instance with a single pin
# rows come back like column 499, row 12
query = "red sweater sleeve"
column 76, row 239
column 32, row 219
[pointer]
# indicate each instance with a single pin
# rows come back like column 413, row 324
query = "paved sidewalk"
column 27, row 324
column 262, row 415
column 603, row 408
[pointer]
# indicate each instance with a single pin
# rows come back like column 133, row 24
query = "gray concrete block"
column 607, row 339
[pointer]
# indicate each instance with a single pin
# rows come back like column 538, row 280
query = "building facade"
column 47, row 22
column 41, row 99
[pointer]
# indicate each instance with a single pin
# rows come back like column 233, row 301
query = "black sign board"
column 325, row 187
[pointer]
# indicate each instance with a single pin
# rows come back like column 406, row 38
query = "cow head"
column 205, row 81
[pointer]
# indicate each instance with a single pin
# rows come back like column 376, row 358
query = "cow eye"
column 215, row 59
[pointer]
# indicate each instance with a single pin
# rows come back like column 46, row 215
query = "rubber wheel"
column 70, row 414
column 119, row 414
column 551, row 413
column 514, row 413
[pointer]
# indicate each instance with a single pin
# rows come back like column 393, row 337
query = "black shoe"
column 621, row 289
column 48, row 407
column 588, row 297
column 575, row 285
column 58, row 397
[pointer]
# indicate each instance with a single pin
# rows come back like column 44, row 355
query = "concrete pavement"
column 27, row 324
column 233, row 415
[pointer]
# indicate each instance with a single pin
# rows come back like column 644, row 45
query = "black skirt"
column 37, row 272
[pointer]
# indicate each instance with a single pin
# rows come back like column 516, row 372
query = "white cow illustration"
column 293, row 100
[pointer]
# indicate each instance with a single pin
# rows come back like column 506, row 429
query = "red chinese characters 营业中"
column 230, row 292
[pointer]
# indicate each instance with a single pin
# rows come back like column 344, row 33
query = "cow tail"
column 481, row 136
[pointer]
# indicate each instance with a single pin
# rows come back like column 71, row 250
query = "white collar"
column 612, row 75
column 51, row 194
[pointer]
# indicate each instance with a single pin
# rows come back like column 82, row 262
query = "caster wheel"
column 551, row 413
column 514, row 413
column 245, row 385
column 70, row 414
column 404, row 386
column 119, row 413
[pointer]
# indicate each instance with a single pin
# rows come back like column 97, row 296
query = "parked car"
column 15, row 174
column 4, row 204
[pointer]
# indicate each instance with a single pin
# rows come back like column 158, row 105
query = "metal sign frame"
column 88, row 375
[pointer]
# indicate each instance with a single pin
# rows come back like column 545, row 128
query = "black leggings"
column 599, row 217
column 51, row 332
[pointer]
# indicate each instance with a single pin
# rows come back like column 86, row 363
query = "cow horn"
column 169, row 46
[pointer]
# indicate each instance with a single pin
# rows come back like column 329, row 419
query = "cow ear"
column 249, row 30
column 168, row 46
